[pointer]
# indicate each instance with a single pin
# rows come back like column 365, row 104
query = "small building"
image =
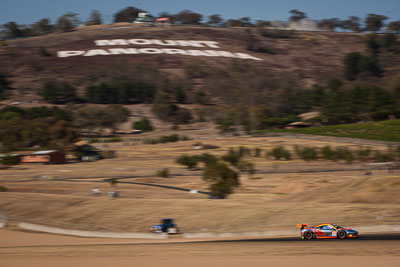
column 46, row 156
column 298, row 124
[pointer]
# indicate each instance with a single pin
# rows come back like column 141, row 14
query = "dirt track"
column 34, row 249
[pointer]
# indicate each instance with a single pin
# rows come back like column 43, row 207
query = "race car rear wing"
column 301, row 226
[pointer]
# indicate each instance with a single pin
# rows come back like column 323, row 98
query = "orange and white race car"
column 326, row 230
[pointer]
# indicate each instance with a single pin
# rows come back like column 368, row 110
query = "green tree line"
column 69, row 21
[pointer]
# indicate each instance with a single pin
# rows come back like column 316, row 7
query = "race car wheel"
column 308, row 235
column 341, row 234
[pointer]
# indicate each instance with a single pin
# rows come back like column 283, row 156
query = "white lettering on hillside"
column 193, row 43
column 123, row 51
column 111, row 42
column 168, row 51
column 70, row 53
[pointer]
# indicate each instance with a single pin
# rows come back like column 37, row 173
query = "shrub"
column 231, row 157
column 188, row 161
column 165, row 139
column 257, row 152
column 169, row 138
column 143, row 125
column 163, row 173
column 208, row 159
column 223, row 179
column 280, row 153
column 8, row 161
column 328, row 153
column 113, row 181
column 277, row 34
column 245, row 166
column 383, row 157
column 220, row 190
column 364, row 154
column 244, row 151
column 307, row 153
column 43, row 52
column 3, row 189
column 58, row 92
column 343, row 153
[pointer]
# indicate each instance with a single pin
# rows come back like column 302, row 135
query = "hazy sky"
column 29, row 11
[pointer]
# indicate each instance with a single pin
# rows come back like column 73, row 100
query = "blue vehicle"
column 167, row 226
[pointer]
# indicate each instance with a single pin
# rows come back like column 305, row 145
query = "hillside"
column 299, row 59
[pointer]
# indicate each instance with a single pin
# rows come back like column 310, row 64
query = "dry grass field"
column 278, row 196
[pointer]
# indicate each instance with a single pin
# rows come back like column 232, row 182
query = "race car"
column 326, row 230
column 167, row 226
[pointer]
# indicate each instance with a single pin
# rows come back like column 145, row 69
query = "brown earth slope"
column 305, row 59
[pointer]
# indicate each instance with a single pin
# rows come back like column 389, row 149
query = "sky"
column 30, row 11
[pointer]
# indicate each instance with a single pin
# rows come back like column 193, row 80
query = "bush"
column 328, row 153
column 277, row 34
column 208, row 159
column 383, row 157
column 223, row 179
column 8, row 161
column 113, row 181
column 220, row 190
column 257, row 152
column 231, row 157
column 245, row 166
column 364, row 154
column 43, row 52
column 58, row 92
column 343, row 153
column 163, row 173
column 188, row 161
column 280, row 153
column 166, row 139
column 307, row 153
column 143, row 125
column 3, row 189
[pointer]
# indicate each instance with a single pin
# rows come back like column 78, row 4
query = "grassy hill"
column 299, row 59
column 384, row 130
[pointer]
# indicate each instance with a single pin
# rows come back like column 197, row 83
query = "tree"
column 214, row 20
column 394, row 26
column 222, row 179
column 374, row 22
column 263, row 23
column 373, row 44
column 94, row 18
column 4, row 85
column 58, row 92
column 189, row 161
column 89, row 118
column 296, row 15
column 41, row 27
column 128, row 14
column 234, row 23
column 114, row 116
column 143, row 125
column 389, row 40
column 12, row 30
column 246, row 21
column 188, row 17
column 67, row 22
column 180, row 95
column 329, row 24
column 62, row 134
column 352, row 65
column 7, row 161
column 163, row 107
column 352, row 24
